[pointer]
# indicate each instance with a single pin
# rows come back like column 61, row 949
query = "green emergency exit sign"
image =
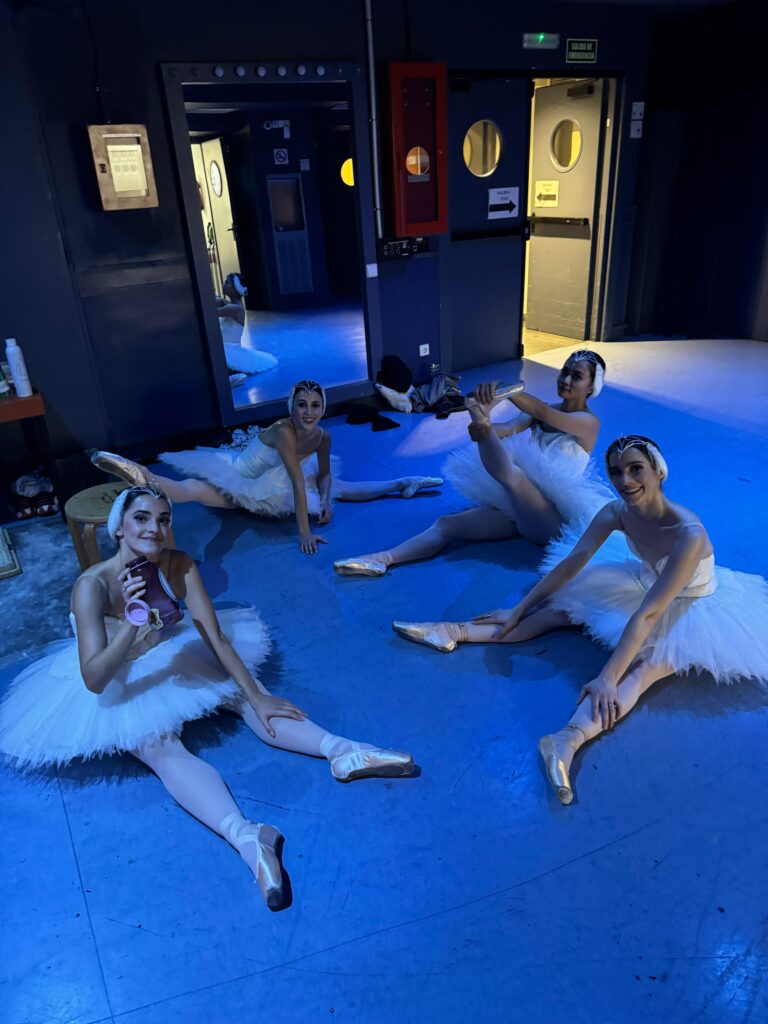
column 581, row 51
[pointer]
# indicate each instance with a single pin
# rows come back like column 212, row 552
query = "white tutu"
column 49, row 717
column 719, row 625
column 254, row 477
column 248, row 360
column 555, row 462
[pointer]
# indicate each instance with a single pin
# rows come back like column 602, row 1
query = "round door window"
column 347, row 172
column 482, row 148
column 565, row 145
column 417, row 161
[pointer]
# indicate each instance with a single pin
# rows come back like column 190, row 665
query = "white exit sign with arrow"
column 546, row 193
column 503, row 202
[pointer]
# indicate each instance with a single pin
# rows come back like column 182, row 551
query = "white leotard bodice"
column 566, row 443
column 258, row 457
column 702, row 583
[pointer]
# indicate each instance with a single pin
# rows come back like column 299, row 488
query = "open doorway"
column 274, row 167
column 571, row 130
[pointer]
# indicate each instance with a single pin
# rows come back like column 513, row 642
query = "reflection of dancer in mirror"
column 528, row 484
column 241, row 359
column 129, row 688
column 655, row 597
column 272, row 475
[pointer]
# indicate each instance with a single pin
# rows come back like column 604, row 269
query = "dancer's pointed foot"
column 371, row 761
column 366, row 565
column 409, row 485
column 442, row 636
column 127, row 470
column 264, row 860
column 557, row 752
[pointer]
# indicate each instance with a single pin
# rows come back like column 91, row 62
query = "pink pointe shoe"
column 124, row 468
column 269, row 873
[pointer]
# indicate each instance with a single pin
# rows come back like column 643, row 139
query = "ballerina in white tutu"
column 528, row 484
column 274, row 475
column 642, row 580
column 128, row 687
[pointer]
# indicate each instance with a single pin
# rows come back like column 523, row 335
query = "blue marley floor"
column 468, row 893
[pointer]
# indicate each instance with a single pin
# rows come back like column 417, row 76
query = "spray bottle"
column 18, row 368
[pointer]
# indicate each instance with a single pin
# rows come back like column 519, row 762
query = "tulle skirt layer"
column 269, row 494
column 724, row 633
column 566, row 480
column 49, row 717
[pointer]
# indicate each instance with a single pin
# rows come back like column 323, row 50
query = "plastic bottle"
column 18, row 368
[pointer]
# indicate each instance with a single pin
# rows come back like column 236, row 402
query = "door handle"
column 579, row 221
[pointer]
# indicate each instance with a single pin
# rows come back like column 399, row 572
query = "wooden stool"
column 84, row 512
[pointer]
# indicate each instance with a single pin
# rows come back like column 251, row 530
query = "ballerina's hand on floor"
column 308, row 543
column 325, row 515
column 266, row 706
column 604, row 697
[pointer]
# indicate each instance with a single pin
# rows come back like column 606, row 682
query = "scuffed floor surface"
column 467, row 893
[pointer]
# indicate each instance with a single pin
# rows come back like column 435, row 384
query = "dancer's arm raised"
column 479, row 431
column 285, row 443
column 204, row 617
column 689, row 549
column 100, row 657
column 324, row 478
column 582, row 424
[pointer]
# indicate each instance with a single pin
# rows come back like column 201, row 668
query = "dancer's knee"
column 447, row 527
column 155, row 754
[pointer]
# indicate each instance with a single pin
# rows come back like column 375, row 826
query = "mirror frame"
column 175, row 76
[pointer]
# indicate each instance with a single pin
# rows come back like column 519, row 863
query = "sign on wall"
column 503, row 202
column 123, row 166
column 581, row 51
column 546, row 194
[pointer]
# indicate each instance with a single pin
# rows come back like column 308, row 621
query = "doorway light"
column 347, row 172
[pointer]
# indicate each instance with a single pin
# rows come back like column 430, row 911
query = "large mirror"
column 279, row 221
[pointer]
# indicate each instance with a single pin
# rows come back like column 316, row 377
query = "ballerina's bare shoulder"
column 655, row 540
column 284, row 428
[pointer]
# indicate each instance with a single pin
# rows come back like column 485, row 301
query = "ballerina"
column 122, row 687
column 654, row 597
column 527, row 485
column 271, row 475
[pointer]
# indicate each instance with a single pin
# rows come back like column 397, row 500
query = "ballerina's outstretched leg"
column 179, row 491
column 349, row 759
column 558, row 748
column 475, row 524
column 368, row 490
column 197, row 787
column 446, row 636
